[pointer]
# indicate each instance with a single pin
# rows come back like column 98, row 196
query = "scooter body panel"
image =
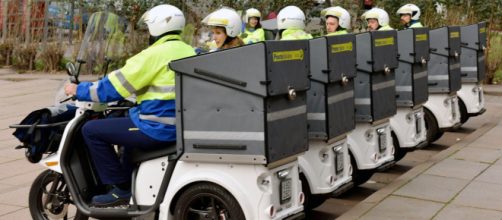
column 472, row 96
column 326, row 166
column 409, row 126
column 370, row 149
column 445, row 109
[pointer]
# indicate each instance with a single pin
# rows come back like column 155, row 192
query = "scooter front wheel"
column 50, row 198
column 207, row 201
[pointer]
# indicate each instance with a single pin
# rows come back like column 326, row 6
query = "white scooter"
column 325, row 167
column 442, row 109
column 472, row 62
column 408, row 125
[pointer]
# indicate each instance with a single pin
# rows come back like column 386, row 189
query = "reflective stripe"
column 420, row 75
column 163, row 120
column 384, row 85
column 469, row 69
column 224, row 135
column 404, row 89
column 455, row 66
column 363, row 101
column 93, row 91
column 287, row 113
column 316, row 116
column 123, row 81
column 438, row 77
column 157, row 89
column 340, row 97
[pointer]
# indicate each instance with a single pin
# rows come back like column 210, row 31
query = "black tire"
column 50, row 183
column 207, row 198
column 464, row 116
column 431, row 125
column 399, row 152
column 312, row 201
column 359, row 176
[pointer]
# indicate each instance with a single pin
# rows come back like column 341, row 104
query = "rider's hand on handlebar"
column 70, row 89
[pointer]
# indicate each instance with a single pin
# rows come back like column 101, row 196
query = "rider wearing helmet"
column 225, row 26
column 253, row 32
column 377, row 19
column 337, row 20
column 410, row 15
column 291, row 24
column 151, row 124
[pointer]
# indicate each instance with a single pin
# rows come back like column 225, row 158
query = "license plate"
column 453, row 112
column 338, row 162
column 382, row 143
column 285, row 189
column 418, row 125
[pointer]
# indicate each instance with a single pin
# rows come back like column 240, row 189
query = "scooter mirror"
column 70, row 69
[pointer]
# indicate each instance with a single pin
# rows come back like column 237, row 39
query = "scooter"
column 472, row 67
column 442, row 109
column 408, row 125
column 325, row 167
column 370, row 144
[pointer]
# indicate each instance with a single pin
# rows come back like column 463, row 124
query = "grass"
column 495, row 56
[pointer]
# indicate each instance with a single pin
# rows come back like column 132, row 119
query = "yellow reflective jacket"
column 340, row 32
column 295, row 34
column 255, row 36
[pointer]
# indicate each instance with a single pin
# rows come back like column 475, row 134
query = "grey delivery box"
column 472, row 59
column 245, row 104
column 411, row 75
column 330, row 100
column 375, row 92
column 444, row 65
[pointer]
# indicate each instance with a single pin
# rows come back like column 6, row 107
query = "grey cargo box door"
column 284, row 71
column 445, row 41
column 384, row 50
column 383, row 95
column 341, row 109
column 413, row 45
column 420, row 84
column 473, row 43
column 341, row 57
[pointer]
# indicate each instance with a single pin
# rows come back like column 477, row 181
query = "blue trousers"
column 101, row 135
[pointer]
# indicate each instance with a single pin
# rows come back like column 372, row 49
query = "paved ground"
column 439, row 180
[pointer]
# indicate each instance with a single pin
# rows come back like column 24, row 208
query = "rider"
column 253, row 32
column 410, row 15
column 291, row 24
column 337, row 20
column 226, row 26
column 377, row 19
column 151, row 125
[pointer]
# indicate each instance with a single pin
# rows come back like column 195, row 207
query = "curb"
column 374, row 199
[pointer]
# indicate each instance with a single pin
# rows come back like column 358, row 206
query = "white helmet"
column 410, row 9
column 252, row 12
column 291, row 17
column 162, row 19
column 378, row 14
column 226, row 18
column 340, row 13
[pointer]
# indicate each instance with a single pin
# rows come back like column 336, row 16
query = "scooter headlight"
column 446, row 102
column 409, row 117
column 369, row 135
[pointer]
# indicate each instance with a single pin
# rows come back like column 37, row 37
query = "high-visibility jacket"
column 340, row 32
column 295, row 34
column 147, row 76
column 385, row 28
column 254, row 36
column 416, row 24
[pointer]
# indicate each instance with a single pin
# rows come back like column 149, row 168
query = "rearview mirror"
column 70, row 69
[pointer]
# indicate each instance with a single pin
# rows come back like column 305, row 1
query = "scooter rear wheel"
column 49, row 198
column 207, row 201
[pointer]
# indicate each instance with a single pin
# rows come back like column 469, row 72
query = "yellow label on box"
column 421, row 37
column 338, row 48
column 280, row 56
column 482, row 30
column 384, row 42
column 455, row 34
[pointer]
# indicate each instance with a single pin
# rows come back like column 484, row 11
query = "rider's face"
column 253, row 21
column 331, row 24
column 219, row 35
column 373, row 24
column 405, row 18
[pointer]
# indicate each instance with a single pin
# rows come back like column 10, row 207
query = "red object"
column 271, row 15
column 368, row 4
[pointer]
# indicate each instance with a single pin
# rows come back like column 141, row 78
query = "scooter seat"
column 140, row 155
